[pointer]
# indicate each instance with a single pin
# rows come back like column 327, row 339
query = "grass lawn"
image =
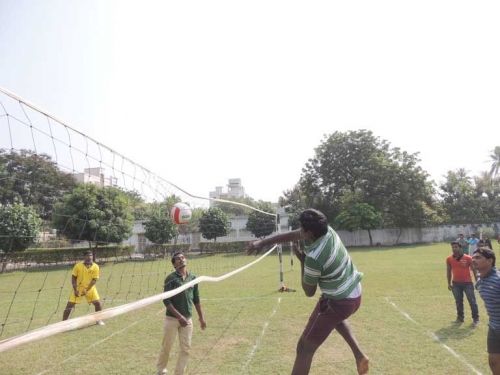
column 404, row 324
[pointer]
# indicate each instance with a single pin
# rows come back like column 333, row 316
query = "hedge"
column 64, row 255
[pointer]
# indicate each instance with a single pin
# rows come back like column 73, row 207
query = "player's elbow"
column 309, row 290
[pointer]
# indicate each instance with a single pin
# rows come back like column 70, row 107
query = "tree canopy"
column 94, row 214
column 495, row 162
column 359, row 216
column 470, row 200
column 33, row 180
column 159, row 227
column 19, row 227
column 365, row 168
column 214, row 223
column 260, row 224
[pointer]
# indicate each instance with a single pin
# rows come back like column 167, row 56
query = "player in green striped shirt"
column 325, row 263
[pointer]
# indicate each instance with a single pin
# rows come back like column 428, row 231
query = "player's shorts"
column 493, row 341
column 90, row 296
column 327, row 314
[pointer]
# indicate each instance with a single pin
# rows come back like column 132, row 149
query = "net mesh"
column 43, row 161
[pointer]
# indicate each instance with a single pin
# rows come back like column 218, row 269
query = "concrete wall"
column 381, row 237
column 389, row 237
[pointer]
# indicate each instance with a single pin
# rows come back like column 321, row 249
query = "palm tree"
column 495, row 165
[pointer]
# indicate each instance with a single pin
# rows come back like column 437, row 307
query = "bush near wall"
column 62, row 255
column 222, row 247
column 165, row 250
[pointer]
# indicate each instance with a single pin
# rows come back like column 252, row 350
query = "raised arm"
column 256, row 246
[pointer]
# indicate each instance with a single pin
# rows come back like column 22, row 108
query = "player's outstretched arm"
column 256, row 246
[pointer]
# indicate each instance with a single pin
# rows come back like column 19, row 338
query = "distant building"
column 95, row 176
column 234, row 190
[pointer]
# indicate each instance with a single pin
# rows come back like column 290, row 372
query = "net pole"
column 279, row 249
column 280, row 255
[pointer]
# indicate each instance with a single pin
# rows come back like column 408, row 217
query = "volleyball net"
column 62, row 192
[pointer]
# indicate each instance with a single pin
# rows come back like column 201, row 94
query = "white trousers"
column 171, row 328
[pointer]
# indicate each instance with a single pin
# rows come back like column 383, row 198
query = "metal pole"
column 283, row 287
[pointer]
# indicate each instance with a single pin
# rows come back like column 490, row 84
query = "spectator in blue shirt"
column 488, row 286
column 473, row 241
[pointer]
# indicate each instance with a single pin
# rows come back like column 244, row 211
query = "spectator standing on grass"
column 488, row 286
column 83, row 279
column 327, row 264
column 179, row 309
column 458, row 270
column 463, row 243
column 473, row 242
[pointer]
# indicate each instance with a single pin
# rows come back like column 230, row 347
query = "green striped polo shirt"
column 329, row 265
column 183, row 301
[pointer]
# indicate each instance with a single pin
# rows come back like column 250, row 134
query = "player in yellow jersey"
column 83, row 279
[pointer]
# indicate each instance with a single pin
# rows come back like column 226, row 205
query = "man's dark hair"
column 87, row 252
column 455, row 243
column 487, row 253
column 175, row 254
column 314, row 221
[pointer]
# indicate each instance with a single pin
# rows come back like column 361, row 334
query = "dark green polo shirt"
column 183, row 302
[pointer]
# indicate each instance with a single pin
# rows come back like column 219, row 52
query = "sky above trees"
column 200, row 92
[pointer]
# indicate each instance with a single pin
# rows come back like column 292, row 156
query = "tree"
column 159, row 227
column 487, row 190
column 360, row 216
column 214, row 223
column 261, row 224
column 19, row 227
column 294, row 203
column 33, row 180
column 460, row 200
column 94, row 214
column 495, row 164
column 139, row 207
column 358, row 163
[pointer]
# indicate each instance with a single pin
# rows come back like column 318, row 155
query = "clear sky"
column 203, row 91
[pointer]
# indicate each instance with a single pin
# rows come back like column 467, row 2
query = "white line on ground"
column 434, row 337
column 259, row 339
column 93, row 345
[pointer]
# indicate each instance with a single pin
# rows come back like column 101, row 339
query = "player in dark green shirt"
column 178, row 315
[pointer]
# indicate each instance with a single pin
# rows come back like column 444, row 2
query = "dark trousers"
column 458, row 292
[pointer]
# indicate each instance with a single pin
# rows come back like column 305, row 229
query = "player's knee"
column 494, row 362
column 69, row 306
column 306, row 346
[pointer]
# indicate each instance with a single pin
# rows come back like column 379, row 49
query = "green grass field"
column 404, row 324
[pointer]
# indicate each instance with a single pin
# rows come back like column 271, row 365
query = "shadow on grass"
column 455, row 331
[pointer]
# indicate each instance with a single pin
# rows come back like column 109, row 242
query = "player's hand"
column 183, row 321
column 75, row 292
column 203, row 324
column 84, row 292
column 254, row 247
column 450, row 287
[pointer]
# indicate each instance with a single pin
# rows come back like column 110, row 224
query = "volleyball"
column 180, row 213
